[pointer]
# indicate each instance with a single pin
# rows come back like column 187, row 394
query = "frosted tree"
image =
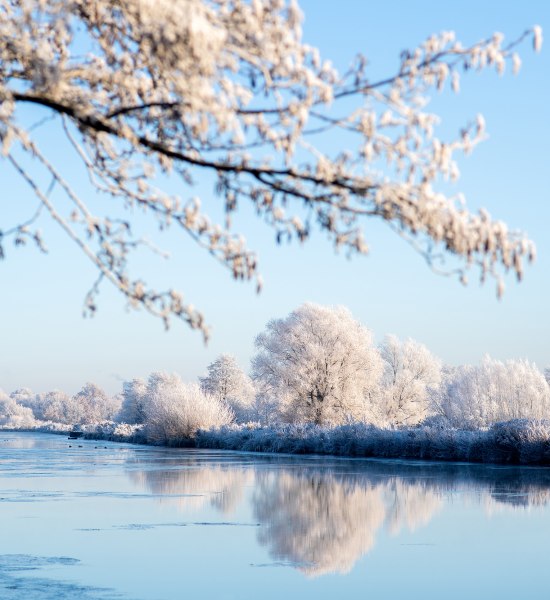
column 319, row 364
column 175, row 410
column 134, row 398
column 226, row 91
column 27, row 398
column 24, row 397
column 13, row 415
column 228, row 383
column 410, row 372
column 478, row 396
column 59, row 407
column 547, row 375
column 93, row 405
column 90, row 405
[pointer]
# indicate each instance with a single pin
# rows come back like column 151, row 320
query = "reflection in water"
column 409, row 505
column 323, row 518
column 315, row 522
column 509, row 496
column 191, row 484
column 520, row 497
column 147, row 523
column 324, row 524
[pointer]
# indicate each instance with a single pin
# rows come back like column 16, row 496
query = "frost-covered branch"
column 227, row 90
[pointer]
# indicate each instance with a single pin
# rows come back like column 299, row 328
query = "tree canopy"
column 319, row 365
column 227, row 89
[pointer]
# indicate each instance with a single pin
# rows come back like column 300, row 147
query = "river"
column 98, row 520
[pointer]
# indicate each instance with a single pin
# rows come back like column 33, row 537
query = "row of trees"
column 320, row 365
column 317, row 365
column 474, row 397
column 90, row 405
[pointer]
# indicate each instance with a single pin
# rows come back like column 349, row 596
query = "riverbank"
column 517, row 442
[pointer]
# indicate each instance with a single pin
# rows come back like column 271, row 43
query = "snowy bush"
column 115, row 432
column 175, row 410
column 517, row 442
column 522, row 440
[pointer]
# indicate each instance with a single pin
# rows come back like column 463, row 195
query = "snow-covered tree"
column 319, row 364
column 93, row 405
column 227, row 382
column 90, row 405
column 26, row 397
column 547, row 375
column 59, row 407
column 410, row 372
column 134, row 399
column 13, row 415
column 227, row 90
column 176, row 410
column 478, row 396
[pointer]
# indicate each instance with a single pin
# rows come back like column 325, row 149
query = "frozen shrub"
column 516, row 442
column 437, row 422
column 521, row 431
column 175, row 410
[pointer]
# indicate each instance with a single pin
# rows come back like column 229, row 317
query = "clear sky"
column 45, row 343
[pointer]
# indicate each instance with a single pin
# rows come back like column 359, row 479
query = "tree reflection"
column 323, row 518
column 409, row 505
column 323, row 524
column 315, row 522
column 192, row 484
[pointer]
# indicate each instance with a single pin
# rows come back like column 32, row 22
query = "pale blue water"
column 94, row 520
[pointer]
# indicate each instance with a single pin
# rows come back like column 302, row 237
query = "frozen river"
column 93, row 520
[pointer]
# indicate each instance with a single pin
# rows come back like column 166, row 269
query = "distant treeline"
column 319, row 368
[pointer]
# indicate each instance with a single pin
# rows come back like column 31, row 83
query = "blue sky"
column 45, row 342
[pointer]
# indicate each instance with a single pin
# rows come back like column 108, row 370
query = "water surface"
column 95, row 520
